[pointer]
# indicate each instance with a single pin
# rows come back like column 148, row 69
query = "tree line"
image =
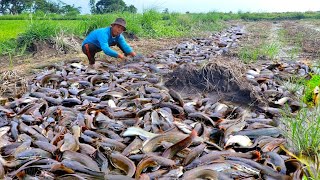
column 108, row 6
column 57, row 6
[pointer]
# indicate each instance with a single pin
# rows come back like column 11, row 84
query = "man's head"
column 118, row 26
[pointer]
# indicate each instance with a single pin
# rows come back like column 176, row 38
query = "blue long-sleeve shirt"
column 103, row 39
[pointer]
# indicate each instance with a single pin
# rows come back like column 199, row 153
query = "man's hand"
column 133, row 54
column 121, row 56
column 122, row 59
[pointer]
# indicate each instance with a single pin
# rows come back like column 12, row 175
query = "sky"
column 204, row 6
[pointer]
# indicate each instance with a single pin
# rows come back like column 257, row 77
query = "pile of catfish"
column 121, row 122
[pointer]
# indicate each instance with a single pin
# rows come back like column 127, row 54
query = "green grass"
column 285, row 40
column 252, row 54
column 303, row 133
column 270, row 50
column 295, row 85
column 18, row 38
column 249, row 55
column 11, row 28
column 294, row 52
column 302, row 130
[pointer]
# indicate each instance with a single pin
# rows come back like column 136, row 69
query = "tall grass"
column 249, row 55
column 295, row 85
column 303, row 133
column 252, row 54
column 270, row 50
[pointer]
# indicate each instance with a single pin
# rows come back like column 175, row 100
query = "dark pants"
column 90, row 50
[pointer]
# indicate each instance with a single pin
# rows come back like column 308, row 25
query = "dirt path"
column 286, row 52
column 274, row 39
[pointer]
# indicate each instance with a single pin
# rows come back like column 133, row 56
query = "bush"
column 37, row 31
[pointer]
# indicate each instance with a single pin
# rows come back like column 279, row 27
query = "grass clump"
column 249, row 55
column 270, row 50
column 295, row 85
column 35, row 32
column 303, row 133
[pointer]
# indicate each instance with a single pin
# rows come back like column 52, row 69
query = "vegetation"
column 295, row 85
column 152, row 24
column 302, row 129
column 267, row 51
column 14, row 7
column 109, row 6
column 149, row 24
column 303, row 136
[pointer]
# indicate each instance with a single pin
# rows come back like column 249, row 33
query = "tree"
column 13, row 6
column 132, row 9
column 108, row 6
column 32, row 6
column 165, row 11
column 4, row 6
column 68, row 9
column 45, row 6
column 93, row 9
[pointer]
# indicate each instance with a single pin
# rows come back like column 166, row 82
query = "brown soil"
column 221, row 79
column 307, row 36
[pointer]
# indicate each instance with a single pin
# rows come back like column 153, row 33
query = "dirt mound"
column 59, row 45
column 218, row 80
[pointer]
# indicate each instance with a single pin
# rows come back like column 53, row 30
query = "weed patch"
column 303, row 136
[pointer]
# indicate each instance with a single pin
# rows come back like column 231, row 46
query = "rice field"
column 10, row 29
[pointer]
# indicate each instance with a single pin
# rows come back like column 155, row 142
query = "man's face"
column 117, row 29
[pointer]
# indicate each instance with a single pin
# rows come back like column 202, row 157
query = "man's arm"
column 108, row 51
column 125, row 46
column 103, row 40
